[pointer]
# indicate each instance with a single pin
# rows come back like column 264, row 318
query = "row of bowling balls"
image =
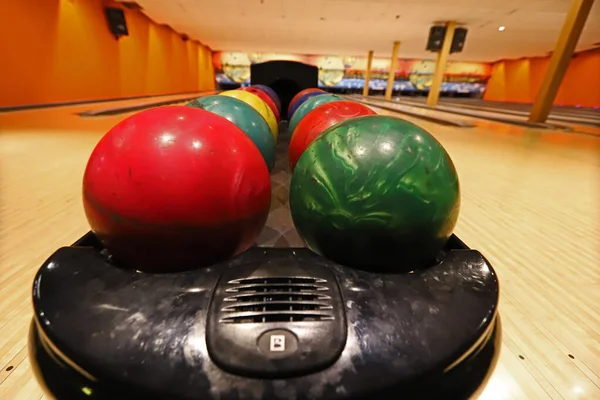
column 183, row 186
column 367, row 190
column 254, row 110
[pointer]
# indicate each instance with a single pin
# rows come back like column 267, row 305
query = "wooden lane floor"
column 475, row 117
column 529, row 204
column 555, row 111
column 82, row 107
column 496, row 111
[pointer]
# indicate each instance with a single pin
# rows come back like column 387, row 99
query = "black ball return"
column 271, row 323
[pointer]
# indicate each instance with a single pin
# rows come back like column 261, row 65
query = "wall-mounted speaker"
column 436, row 38
column 116, row 21
column 458, row 42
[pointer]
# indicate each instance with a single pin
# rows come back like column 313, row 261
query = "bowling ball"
column 174, row 188
column 319, row 120
column 264, row 97
column 244, row 117
column 294, row 106
column 309, row 105
column 302, row 93
column 259, row 105
column 376, row 193
column 271, row 93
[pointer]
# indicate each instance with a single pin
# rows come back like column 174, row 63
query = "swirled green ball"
column 375, row 192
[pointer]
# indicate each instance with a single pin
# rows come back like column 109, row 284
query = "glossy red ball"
column 175, row 188
column 299, row 95
column 266, row 98
column 319, row 120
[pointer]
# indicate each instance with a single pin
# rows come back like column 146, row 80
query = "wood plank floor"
column 530, row 203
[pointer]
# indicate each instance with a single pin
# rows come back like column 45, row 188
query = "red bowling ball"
column 174, row 188
column 266, row 98
column 272, row 93
column 300, row 94
column 319, row 120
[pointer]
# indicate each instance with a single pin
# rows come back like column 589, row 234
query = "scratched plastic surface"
column 147, row 331
column 108, row 333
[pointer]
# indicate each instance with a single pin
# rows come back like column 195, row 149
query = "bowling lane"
column 55, row 117
column 491, row 116
column 555, row 111
column 77, row 108
column 529, row 203
column 558, row 116
column 481, row 123
column 576, row 123
column 416, row 110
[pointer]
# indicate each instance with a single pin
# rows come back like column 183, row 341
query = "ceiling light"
column 501, row 28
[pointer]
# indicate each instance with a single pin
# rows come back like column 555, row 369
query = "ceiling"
column 353, row 27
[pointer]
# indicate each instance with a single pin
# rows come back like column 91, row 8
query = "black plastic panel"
column 276, row 319
column 131, row 333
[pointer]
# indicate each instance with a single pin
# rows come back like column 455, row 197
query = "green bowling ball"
column 310, row 105
column 376, row 193
column 246, row 118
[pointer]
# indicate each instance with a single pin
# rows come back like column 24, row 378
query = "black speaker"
column 436, row 38
column 116, row 21
column 458, row 42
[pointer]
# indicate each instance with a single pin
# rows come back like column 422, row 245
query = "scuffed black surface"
column 149, row 329
column 143, row 335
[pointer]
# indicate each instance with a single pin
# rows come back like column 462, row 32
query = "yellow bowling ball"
column 259, row 105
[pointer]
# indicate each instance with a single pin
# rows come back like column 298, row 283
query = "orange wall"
column 520, row 80
column 518, row 75
column 496, row 87
column 62, row 50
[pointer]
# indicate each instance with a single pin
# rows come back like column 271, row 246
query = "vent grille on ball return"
column 277, row 299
